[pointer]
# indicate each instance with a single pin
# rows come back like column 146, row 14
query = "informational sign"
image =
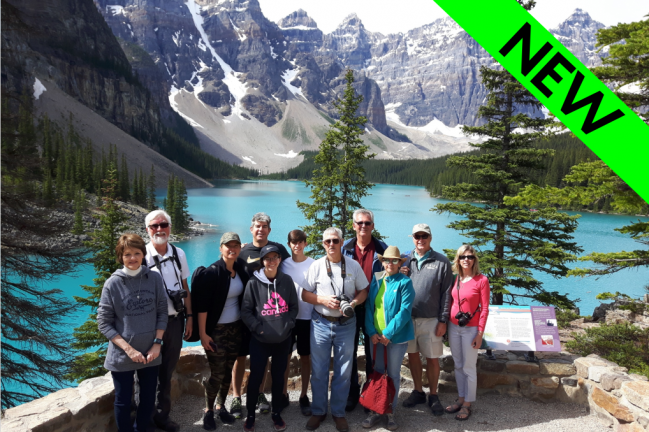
column 522, row 328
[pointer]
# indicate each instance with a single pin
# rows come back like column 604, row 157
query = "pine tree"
column 170, row 201
column 141, row 190
column 103, row 241
column 48, row 191
column 180, row 215
column 79, row 207
column 512, row 241
column 338, row 183
column 150, row 202
column 35, row 350
column 124, row 186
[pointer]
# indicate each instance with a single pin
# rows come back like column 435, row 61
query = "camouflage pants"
column 227, row 337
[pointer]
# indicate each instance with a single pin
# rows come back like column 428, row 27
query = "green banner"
column 560, row 82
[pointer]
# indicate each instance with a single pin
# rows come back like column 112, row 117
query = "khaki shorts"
column 425, row 341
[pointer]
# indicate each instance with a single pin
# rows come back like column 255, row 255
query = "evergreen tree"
column 48, row 192
column 35, row 349
column 170, row 201
column 103, row 241
column 79, row 207
column 338, row 183
column 142, row 190
column 513, row 241
column 150, row 202
column 180, row 215
column 124, row 186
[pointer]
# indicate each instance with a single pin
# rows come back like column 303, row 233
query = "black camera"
column 345, row 307
column 177, row 297
column 463, row 318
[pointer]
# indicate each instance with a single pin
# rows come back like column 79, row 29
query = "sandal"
column 465, row 413
column 452, row 409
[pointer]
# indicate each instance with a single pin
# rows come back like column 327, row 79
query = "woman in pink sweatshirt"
column 469, row 311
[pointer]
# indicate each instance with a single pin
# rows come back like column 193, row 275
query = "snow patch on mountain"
column 39, row 88
column 290, row 155
column 172, row 101
column 249, row 159
column 115, row 9
column 287, row 77
column 231, row 79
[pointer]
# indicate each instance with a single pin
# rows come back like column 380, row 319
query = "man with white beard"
column 171, row 263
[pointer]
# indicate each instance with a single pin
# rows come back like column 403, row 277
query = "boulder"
column 546, row 382
column 572, row 381
column 584, row 363
column 611, row 404
column 637, row 392
column 612, row 381
column 557, row 367
column 488, row 380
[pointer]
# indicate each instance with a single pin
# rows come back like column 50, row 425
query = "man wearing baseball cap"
column 432, row 278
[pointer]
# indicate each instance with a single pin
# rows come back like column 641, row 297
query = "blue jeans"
column 395, row 358
column 326, row 335
column 465, row 358
column 123, row 381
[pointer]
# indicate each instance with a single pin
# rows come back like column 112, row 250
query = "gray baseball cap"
column 228, row 237
column 421, row 228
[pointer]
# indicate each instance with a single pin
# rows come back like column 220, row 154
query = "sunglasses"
column 466, row 257
column 392, row 261
column 361, row 223
column 421, row 236
column 271, row 259
column 329, row 241
column 163, row 225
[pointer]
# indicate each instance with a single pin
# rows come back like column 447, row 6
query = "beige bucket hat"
column 390, row 253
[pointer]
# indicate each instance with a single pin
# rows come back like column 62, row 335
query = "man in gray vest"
column 432, row 278
column 171, row 263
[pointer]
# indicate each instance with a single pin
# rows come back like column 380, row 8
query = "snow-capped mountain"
column 254, row 89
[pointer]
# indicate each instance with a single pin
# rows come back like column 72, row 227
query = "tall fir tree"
column 124, row 186
column 170, row 201
column 88, row 339
column 79, row 207
column 338, row 183
column 180, row 214
column 512, row 241
column 150, row 199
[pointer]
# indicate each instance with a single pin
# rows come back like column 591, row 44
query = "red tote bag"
column 378, row 390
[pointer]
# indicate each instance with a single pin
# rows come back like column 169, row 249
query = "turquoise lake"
column 231, row 204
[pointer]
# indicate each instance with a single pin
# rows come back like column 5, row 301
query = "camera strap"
column 459, row 304
column 157, row 265
column 343, row 274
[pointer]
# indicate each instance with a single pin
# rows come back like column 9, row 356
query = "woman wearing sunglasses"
column 389, row 324
column 469, row 311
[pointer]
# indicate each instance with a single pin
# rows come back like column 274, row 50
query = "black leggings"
column 259, row 353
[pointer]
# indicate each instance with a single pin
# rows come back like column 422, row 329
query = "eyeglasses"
column 466, row 257
column 271, row 259
column 162, row 225
column 421, row 236
column 392, row 261
column 329, row 241
column 361, row 223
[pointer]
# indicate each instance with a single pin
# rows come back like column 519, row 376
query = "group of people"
column 259, row 300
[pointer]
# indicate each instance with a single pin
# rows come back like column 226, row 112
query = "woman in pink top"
column 469, row 311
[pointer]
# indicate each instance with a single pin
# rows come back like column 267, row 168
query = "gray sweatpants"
column 465, row 358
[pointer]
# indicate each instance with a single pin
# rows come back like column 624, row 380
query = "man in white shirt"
column 297, row 267
column 171, row 263
column 333, row 326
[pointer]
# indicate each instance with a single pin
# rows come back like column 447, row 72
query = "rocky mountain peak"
column 578, row 33
column 351, row 20
column 298, row 20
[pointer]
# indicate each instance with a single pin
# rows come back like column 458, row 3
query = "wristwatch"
column 189, row 316
column 157, row 341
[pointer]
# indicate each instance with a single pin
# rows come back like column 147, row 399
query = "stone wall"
column 618, row 399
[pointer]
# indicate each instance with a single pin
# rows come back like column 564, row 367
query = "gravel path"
column 491, row 413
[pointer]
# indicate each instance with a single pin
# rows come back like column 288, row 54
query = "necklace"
column 139, row 286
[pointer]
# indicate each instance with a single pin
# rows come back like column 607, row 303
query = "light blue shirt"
column 423, row 258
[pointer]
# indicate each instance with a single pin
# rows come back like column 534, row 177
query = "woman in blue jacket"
column 388, row 322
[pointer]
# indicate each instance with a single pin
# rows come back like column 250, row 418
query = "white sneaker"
column 392, row 425
column 371, row 420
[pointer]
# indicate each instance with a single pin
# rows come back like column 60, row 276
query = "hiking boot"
column 314, row 421
column 166, row 425
column 341, row 424
column 415, row 398
column 371, row 420
column 262, row 404
column 225, row 416
column 235, row 408
column 208, row 420
column 435, row 405
column 249, row 424
column 305, row 405
column 278, row 423
column 392, row 425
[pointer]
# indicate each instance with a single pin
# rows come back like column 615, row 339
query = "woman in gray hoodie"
column 132, row 314
column 269, row 310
